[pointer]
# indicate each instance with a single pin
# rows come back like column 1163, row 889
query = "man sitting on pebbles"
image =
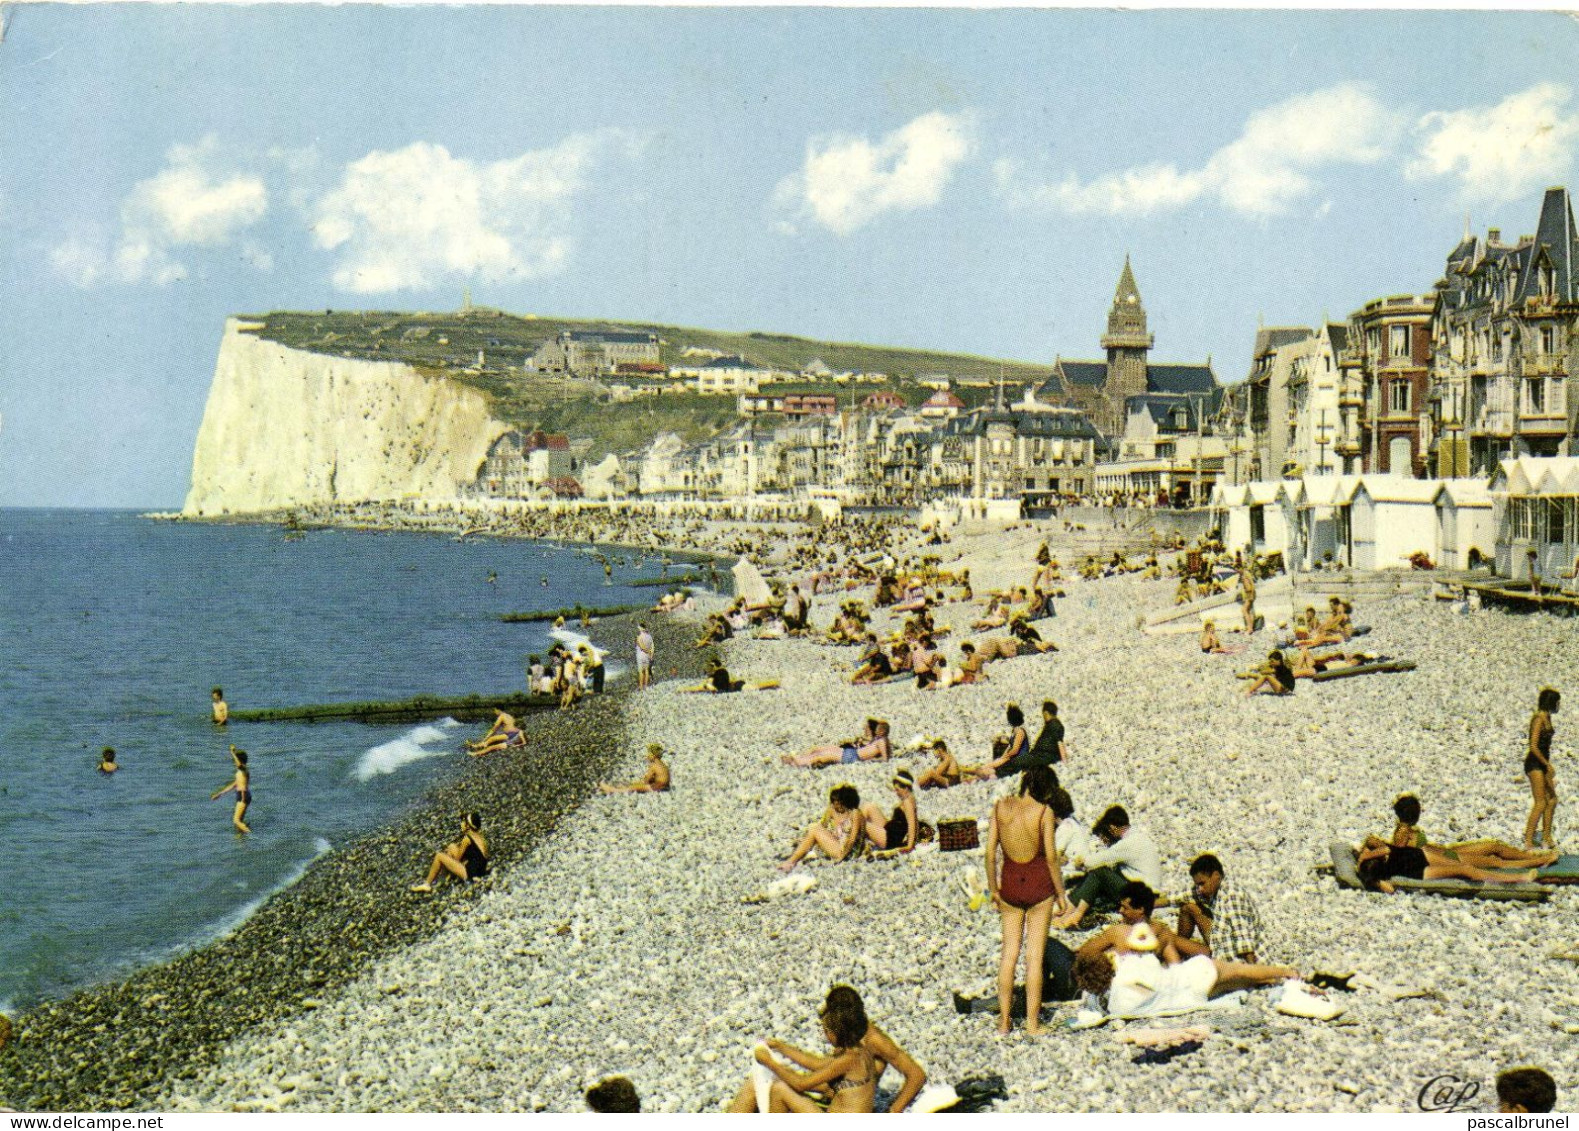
column 655, row 780
column 1227, row 920
column 1127, row 854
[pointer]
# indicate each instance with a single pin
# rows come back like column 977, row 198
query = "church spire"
column 1127, row 293
column 1126, row 321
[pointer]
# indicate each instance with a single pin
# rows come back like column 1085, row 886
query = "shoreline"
column 117, row 1045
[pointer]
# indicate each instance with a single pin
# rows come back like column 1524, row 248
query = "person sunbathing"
column 1276, row 677
column 843, row 1082
column 1485, row 853
column 871, row 745
column 899, row 831
column 1185, row 593
column 924, row 661
column 655, row 780
column 501, row 736
column 885, row 1052
column 998, row 648
column 1336, row 628
column 838, row 832
column 1136, row 904
column 1307, row 664
column 1380, row 862
column 997, row 616
column 1029, row 637
column 1137, row 984
column 970, row 665
column 877, row 667
column 1210, row 643
column 466, row 859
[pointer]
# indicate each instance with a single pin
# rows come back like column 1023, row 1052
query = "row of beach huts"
column 1381, row 522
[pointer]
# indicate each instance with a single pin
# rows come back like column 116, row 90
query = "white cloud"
column 188, row 203
column 408, row 218
column 1500, row 152
column 1265, row 171
column 846, row 182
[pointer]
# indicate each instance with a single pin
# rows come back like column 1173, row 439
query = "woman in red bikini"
column 1027, row 887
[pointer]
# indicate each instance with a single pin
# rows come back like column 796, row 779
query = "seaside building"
column 519, row 462
column 1387, row 364
column 1505, row 346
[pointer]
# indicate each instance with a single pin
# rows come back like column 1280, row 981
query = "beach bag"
column 958, row 835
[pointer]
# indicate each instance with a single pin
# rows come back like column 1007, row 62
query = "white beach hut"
column 1322, row 510
column 1253, row 516
column 1466, row 528
column 1391, row 517
column 1536, row 506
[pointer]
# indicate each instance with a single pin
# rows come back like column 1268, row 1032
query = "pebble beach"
column 622, row 934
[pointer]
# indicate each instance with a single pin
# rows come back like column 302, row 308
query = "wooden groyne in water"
column 421, row 708
column 572, row 615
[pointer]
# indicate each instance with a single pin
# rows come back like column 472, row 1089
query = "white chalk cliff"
column 286, row 427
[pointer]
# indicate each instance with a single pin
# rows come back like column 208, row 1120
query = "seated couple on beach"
column 877, row 666
column 843, row 1081
column 847, row 827
column 871, row 746
column 1136, row 968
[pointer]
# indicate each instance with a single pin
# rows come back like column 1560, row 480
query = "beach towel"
column 1345, row 869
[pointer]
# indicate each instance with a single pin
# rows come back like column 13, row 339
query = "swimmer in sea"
column 221, row 711
column 545, row 582
column 241, row 786
column 107, row 763
column 493, row 578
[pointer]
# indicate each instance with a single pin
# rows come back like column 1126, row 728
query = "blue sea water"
column 114, row 629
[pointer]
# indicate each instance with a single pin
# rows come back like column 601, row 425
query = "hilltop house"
column 590, row 352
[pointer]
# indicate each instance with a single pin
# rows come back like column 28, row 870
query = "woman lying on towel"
column 1380, row 862
column 870, row 746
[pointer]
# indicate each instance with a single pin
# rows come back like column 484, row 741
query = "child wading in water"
column 242, row 787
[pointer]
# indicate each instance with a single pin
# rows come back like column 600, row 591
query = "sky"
column 963, row 180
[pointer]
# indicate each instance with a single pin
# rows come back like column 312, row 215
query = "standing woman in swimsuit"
column 1538, row 768
column 1026, row 887
column 242, row 787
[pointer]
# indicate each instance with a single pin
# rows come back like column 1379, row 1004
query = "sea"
column 114, row 629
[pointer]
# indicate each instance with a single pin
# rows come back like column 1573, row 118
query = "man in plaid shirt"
column 1227, row 919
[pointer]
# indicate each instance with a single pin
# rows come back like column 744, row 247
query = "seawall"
column 285, row 427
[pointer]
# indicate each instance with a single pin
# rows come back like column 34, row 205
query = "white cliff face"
column 285, row 427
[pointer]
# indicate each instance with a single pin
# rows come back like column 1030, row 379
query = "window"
column 1398, row 343
column 1556, row 513
column 1519, row 518
column 1373, row 341
column 1534, row 394
column 1398, row 396
column 1548, row 340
